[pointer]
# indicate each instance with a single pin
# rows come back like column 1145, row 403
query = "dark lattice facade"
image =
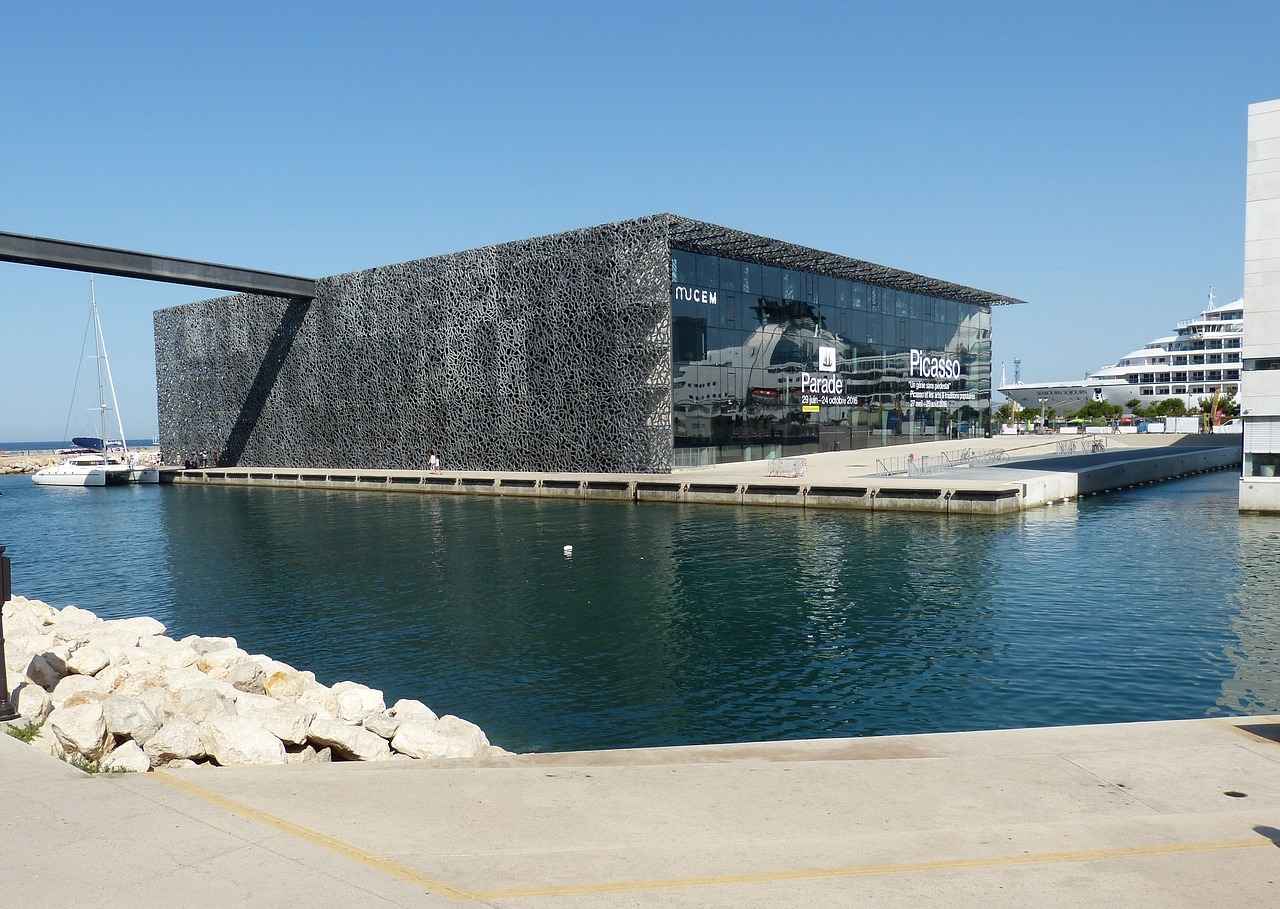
column 550, row 354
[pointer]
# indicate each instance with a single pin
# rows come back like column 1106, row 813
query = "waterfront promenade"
column 976, row 476
column 1175, row 814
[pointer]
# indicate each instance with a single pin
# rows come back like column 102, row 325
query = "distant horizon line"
column 49, row 444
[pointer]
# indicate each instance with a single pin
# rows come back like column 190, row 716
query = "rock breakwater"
column 119, row 692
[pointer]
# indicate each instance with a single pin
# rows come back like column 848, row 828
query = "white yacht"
column 1202, row 358
column 80, row 470
column 92, row 463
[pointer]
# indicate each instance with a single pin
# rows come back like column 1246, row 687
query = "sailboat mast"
column 104, row 362
column 97, row 360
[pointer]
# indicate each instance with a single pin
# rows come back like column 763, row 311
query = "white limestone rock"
column 39, row 670
column 236, row 740
column 113, row 675
column 309, row 755
column 288, row 685
column 191, row 677
column 383, row 724
column 143, row 626
column 199, row 705
column 246, row 676
column 88, row 659
column 135, row 658
column 21, row 622
column 218, row 661
column 75, row 635
column 320, row 699
column 56, row 656
column 74, row 615
column 288, row 722
column 204, row 645
column 179, row 739
column 157, row 701
column 129, row 758
column 468, row 738
column 31, row 701
column 270, row 666
column 406, row 709
column 138, row 679
column 116, row 644
column 448, row 737
column 36, row 608
column 352, row 742
column 167, row 653
column 73, row 685
column 20, row 648
column 419, row 739
column 356, row 701
column 130, row 718
column 82, row 729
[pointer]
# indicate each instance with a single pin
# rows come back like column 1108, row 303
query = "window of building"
column 684, row 267
column 771, row 281
column 708, row 271
column 688, row 339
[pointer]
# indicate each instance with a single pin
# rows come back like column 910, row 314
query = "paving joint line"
column 323, row 840
column 459, row 894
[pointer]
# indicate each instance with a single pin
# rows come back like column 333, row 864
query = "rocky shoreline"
column 121, row 695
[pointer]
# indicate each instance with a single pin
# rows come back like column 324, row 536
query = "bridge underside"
column 103, row 260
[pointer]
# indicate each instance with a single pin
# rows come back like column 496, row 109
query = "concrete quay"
column 1163, row 814
column 1001, row 475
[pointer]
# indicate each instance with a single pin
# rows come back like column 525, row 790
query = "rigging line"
column 66, row 430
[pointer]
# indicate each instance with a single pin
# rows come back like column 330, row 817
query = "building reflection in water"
column 1255, row 686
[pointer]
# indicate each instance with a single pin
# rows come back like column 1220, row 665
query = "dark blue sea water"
column 19, row 447
column 682, row 624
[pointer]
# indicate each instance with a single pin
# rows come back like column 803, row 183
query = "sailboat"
column 92, row 466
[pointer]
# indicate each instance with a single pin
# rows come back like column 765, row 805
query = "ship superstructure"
column 1202, row 358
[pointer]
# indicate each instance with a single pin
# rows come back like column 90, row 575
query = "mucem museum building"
column 636, row 346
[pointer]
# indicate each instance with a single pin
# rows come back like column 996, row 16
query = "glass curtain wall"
column 770, row 361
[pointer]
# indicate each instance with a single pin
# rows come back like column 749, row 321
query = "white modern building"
column 1260, row 381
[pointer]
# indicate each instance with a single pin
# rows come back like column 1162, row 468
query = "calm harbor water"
column 681, row 624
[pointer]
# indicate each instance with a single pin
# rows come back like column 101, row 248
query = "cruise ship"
column 1202, row 358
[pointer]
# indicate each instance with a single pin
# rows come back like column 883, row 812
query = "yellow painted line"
column 324, row 841
column 770, row 877
column 457, row 894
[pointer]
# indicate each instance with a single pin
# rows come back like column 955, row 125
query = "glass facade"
column 771, row 361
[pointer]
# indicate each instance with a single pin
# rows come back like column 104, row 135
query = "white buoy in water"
column 568, row 550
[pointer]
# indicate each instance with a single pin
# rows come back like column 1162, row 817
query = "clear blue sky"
column 1087, row 157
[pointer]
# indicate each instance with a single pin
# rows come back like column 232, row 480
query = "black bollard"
column 7, row 710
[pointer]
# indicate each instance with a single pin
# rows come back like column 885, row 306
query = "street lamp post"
column 7, row 710
column 1044, row 429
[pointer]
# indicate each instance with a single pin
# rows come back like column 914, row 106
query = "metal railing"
column 788, row 467
column 1090, row 444
column 694, row 457
column 924, row 465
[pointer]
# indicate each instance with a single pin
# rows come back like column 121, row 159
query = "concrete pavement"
column 1175, row 814
column 1034, row 473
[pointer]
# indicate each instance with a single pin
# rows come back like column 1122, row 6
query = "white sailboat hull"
column 70, row 475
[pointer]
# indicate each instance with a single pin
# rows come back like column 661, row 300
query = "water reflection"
column 1254, row 687
column 674, row 624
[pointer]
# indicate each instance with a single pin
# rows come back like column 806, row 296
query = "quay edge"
column 1032, row 477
